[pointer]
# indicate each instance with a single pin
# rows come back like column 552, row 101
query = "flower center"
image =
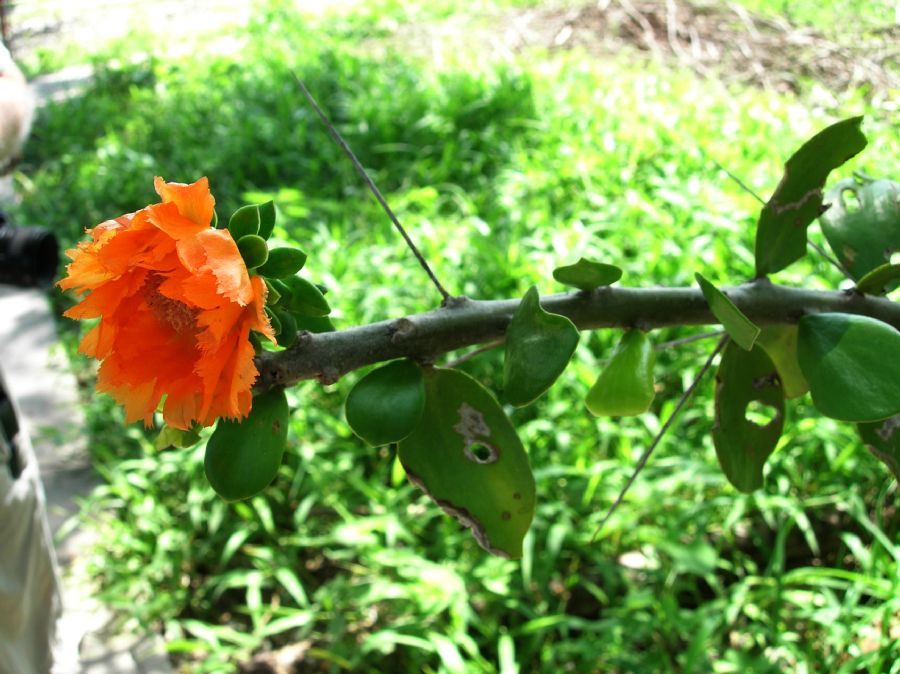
column 177, row 315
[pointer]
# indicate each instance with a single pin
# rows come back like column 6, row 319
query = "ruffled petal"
column 194, row 201
column 175, row 306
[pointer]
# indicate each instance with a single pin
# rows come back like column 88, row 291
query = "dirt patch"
column 721, row 40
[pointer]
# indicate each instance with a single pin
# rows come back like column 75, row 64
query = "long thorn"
column 659, row 436
column 469, row 355
column 689, row 340
column 834, row 263
column 372, row 187
column 740, row 183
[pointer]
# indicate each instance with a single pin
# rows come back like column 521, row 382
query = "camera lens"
column 29, row 256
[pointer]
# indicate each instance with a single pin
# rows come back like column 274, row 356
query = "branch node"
column 401, row 330
column 455, row 302
column 329, row 375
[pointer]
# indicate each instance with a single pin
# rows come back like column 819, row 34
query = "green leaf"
column 387, row 403
column 862, row 225
column 797, row 201
column 538, row 348
column 243, row 222
column 253, row 249
column 287, row 334
column 780, row 342
column 740, row 328
column 273, row 296
column 747, row 387
column 283, row 262
column 883, row 440
column 880, row 280
column 176, row 437
column 625, row 387
column 315, row 324
column 266, row 219
column 466, row 456
column 243, row 457
column 587, row 274
column 852, row 364
column 305, row 299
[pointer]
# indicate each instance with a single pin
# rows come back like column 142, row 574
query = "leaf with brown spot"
column 797, row 201
column 492, row 494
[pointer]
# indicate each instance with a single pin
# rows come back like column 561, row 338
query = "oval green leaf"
column 176, row 437
column 587, row 274
column 287, row 334
column 883, row 440
column 304, row 298
column 242, row 458
column 283, row 262
column 273, row 296
column 315, row 324
column 740, row 328
column 387, row 403
column 466, row 456
column 880, row 280
column 780, row 342
column 852, row 364
column 253, row 250
column 797, row 201
column 539, row 345
column 625, row 387
column 747, row 384
column 243, row 222
column 266, row 219
column 862, row 224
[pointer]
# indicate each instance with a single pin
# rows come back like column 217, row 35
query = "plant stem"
column 339, row 139
column 463, row 323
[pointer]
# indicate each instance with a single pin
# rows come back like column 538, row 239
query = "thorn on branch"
column 339, row 139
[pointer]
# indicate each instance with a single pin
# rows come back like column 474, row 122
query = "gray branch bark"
column 463, row 322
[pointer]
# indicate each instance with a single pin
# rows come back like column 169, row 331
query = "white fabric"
column 29, row 587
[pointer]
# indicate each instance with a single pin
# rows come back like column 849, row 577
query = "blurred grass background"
column 503, row 164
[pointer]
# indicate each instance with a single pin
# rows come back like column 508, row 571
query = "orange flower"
column 176, row 306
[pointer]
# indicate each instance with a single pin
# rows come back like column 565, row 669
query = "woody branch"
column 463, row 322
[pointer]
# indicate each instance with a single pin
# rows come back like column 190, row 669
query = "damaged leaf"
column 797, row 201
column 465, row 454
column 862, row 224
column 749, row 415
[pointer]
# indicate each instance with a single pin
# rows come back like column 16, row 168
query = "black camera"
column 29, row 256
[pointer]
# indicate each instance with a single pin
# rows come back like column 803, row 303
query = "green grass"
column 834, row 17
column 501, row 171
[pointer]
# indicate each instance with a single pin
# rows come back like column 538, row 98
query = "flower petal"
column 194, row 201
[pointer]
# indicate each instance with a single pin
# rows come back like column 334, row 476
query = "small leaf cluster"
column 243, row 457
column 293, row 303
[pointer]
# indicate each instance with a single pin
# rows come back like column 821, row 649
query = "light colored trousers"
column 29, row 586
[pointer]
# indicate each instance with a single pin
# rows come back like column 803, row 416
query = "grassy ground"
column 502, row 169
